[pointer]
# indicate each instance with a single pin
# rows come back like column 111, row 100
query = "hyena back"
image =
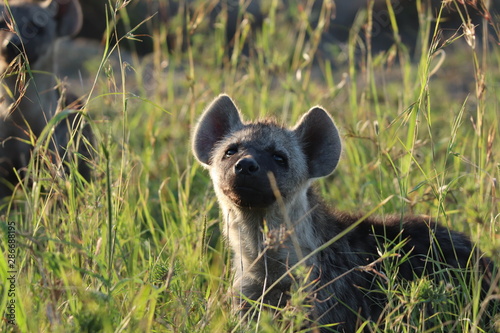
column 262, row 174
column 29, row 31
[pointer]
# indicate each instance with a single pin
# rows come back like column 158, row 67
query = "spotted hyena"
column 273, row 220
column 29, row 31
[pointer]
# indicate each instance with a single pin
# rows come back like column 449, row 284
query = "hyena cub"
column 29, row 91
column 262, row 174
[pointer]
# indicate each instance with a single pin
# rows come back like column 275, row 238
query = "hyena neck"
column 282, row 233
column 30, row 98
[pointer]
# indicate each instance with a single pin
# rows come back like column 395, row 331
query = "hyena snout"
column 246, row 166
column 248, row 184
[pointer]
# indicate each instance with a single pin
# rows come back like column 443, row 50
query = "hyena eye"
column 280, row 159
column 231, row 151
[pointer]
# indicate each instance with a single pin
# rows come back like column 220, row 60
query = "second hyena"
column 30, row 98
column 262, row 174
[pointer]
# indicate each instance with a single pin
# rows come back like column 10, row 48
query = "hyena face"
column 243, row 158
column 30, row 29
column 244, row 161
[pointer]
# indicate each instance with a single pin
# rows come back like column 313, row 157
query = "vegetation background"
column 138, row 249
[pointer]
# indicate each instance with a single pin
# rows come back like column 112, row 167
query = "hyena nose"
column 246, row 166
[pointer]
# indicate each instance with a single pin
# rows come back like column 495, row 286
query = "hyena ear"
column 320, row 142
column 218, row 120
column 68, row 15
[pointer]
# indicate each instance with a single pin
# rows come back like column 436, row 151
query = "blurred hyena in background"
column 273, row 220
column 31, row 93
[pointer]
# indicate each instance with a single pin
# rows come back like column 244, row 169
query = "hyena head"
column 244, row 157
column 29, row 29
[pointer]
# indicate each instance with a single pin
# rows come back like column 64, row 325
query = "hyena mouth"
column 250, row 197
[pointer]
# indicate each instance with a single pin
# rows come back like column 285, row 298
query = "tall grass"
column 139, row 248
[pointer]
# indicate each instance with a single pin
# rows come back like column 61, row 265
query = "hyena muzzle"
column 29, row 31
column 262, row 174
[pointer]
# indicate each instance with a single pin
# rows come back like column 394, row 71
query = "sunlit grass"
column 138, row 248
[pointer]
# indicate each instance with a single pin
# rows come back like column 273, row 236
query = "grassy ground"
column 138, row 249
